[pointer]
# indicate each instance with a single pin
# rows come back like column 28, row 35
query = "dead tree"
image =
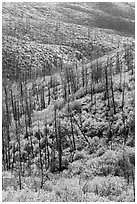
column 59, row 145
column 107, row 83
column 7, row 123
column 17, row 125
column 112, row 89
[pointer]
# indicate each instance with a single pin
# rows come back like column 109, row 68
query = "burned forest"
column 68, row 102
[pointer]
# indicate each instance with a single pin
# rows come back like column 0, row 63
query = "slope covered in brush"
column 68, row 106
column 40, row 34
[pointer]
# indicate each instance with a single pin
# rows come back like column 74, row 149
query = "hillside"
column 118, row 17
column 68, row 104
column 69, row 25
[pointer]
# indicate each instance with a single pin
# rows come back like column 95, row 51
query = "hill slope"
column 68, row 120
column 114, row 16
column 36, row 31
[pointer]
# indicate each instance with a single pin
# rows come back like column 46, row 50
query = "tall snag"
column 112, row 89
column 107, row 83
column 17, row 125
column 7, row 125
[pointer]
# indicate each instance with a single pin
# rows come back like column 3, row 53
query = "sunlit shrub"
column 68, row 190
column 79, row 155
column 76, row 167
column 118, row 163
column 98, row 88
column 9, row 181
column 92, row 197
column 126, row 196
column 94, row 143
column 48, row 186
column 26, row 195
column 105, row 186
column 76, row 105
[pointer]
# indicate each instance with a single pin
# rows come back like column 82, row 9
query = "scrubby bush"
column 83, row 91
column 112, row 162
column 126, row 196
column 79, row 155
column 68, row 190
column 48, row 186
column 33, row 183
column 73, row 106
column 26, row 195
column 98, row 88
column 94, row 128
column 66, row 174
column 92, row 197
column 9, row 181
column 76, row 105
column 94, row 143
column 105, row 186
column 76, row 167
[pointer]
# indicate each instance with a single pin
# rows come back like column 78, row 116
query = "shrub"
column 73, row 106
column 94, row 143
column 33, row 183
column 85, row 175
column 105, row 186
column 7, row 196
column 94, row 128
column 79, row 155
column 130, row 154
column 66, row 174
column 126, row 196
column 98, row 88
column 76, row 105
column 127, row 162
column 68, row 190
column 26, row 195
column 92, row 197
column 97, row 166
column 9, row 181
column 76, row 167
column 112, row 162
column 48, row 186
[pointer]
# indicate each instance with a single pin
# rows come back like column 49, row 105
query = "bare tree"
column 112, row 90
column 106, row 83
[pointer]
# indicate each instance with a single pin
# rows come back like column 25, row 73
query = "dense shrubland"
column 68, row 120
